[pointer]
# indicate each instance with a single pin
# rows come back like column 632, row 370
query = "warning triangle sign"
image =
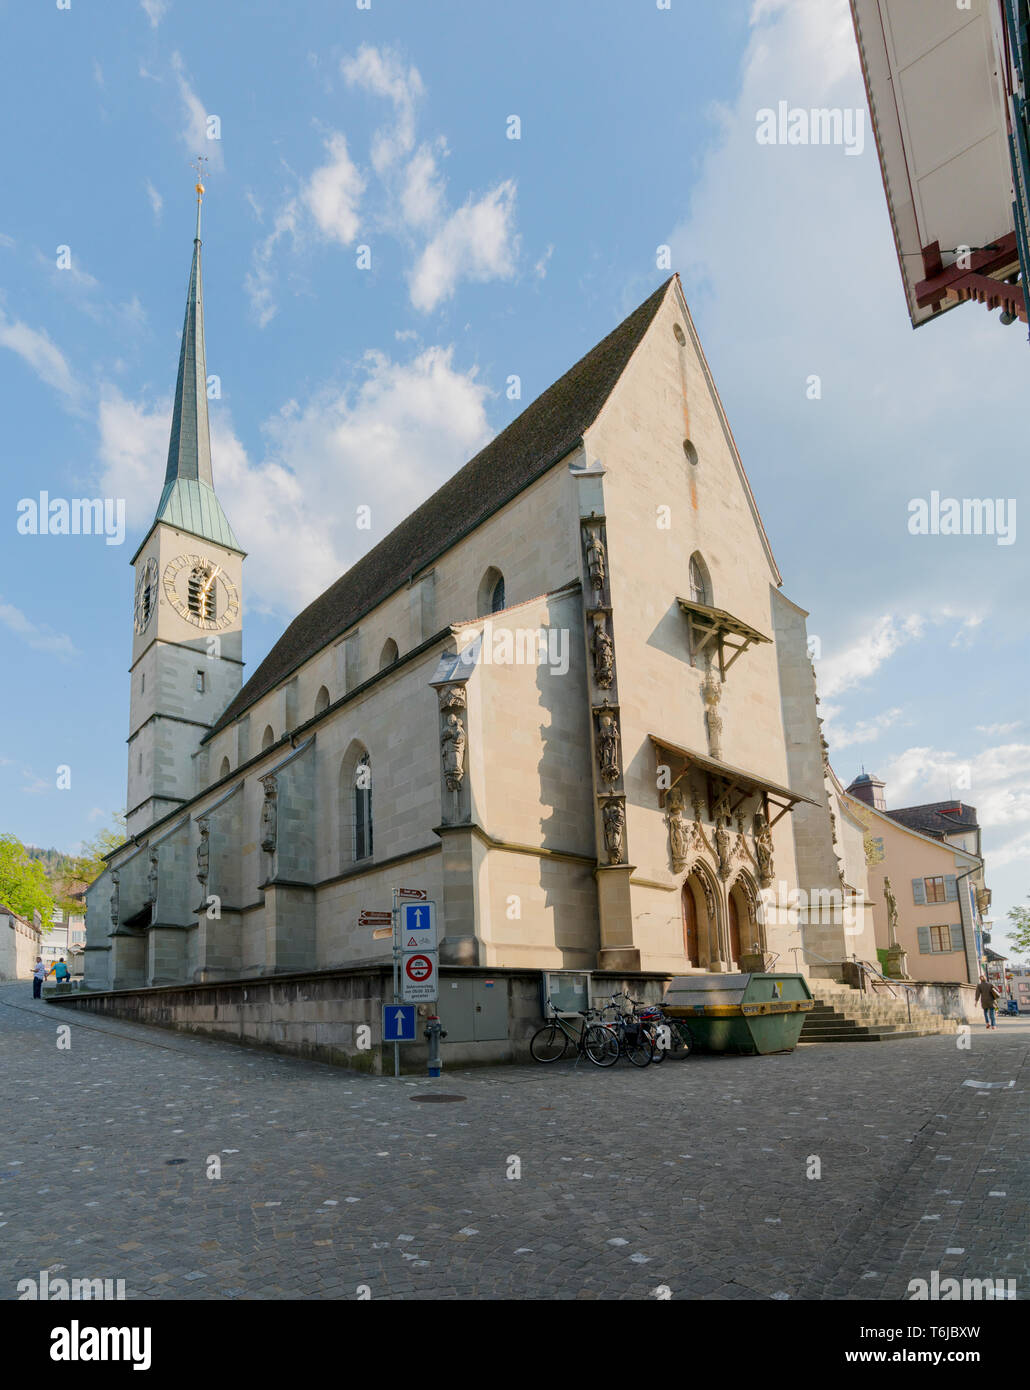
column 412, row 941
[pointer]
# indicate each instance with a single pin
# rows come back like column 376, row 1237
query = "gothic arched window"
column 491, row 597
column 389, row 654
column 700, row 585
column 363, row 808
column 223, row 771
column 322, row 700
column 267, row 738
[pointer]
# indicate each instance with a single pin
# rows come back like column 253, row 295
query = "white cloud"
column 259, row 281
column 996, row 729
column 385, row 444
column 477, row 242
column 382, row 72
column 864, row 731
column 155, row 10
column 156, row 201
column 194, row 134
column 47, row 360
column 422, row 192
column 841, row 670
column 333, row 193
column 37, row 635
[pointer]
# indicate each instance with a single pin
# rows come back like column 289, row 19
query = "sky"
column 327, row 129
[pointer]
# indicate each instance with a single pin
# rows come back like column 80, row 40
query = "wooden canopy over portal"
column 710, row 630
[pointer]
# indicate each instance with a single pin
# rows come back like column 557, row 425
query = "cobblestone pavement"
column 691, row 1177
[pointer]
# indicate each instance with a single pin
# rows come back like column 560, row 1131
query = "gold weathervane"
column 198, row 164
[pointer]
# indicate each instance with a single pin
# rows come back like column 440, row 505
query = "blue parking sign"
column 398, row 1023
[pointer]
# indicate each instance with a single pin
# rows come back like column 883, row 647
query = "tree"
column 1020, row 929
column 90, row 864
column 23, row 882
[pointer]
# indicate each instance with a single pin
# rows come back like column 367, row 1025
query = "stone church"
column 565, row 695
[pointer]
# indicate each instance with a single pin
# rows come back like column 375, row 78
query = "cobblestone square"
column 687, row 1181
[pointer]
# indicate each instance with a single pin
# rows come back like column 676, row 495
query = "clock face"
column 201, row 592
column 146, row 594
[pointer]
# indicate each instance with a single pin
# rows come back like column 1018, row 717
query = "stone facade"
column 605, row 773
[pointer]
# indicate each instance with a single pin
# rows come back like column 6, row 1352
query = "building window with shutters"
column 934, row 889
column 935, row 941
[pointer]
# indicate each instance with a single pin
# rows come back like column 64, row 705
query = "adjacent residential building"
column 926, row 882
column 947, row 91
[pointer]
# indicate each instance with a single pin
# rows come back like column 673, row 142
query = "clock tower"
column 187, row 649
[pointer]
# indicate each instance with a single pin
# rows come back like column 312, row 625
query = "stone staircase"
column 851, row 1016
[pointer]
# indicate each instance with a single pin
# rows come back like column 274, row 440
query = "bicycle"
column 668, row 1035
column 634, row 1041
column 593, row 1041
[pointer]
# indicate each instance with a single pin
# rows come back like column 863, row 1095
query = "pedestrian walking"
column 987, row 997
column 38, row 976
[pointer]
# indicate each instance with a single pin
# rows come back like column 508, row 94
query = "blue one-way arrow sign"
column 398, row 1023
column 418, row 927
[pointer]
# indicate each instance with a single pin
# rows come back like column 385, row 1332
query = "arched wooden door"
column 734, row 929
column 690, row 933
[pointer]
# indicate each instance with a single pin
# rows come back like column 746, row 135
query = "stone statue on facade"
column 763, row 850
column 452, row 748
column 152, row 878
column 680, row 834
column 203, row 852
column 614, row 820
column 115, row 913
column 595, row 561
column 604, row 652
column 608, row 747
column 711, row 693
column 270, row 813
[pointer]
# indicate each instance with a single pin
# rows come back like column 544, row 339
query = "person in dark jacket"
column 987, row 996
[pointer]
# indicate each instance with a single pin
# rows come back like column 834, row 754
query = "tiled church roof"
column 536, row 440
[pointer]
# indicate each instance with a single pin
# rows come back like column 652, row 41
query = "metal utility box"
column 474, row 1010
column 753, row 1013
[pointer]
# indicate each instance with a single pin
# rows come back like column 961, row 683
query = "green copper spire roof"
column 188, row 500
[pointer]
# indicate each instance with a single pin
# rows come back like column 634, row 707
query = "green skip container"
column 741, row 1013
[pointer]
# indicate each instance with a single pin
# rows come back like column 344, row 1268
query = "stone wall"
column 20, row 944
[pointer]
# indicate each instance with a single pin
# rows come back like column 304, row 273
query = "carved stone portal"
column 270, row 813
column 613, row 817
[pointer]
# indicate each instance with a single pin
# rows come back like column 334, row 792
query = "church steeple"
column 188, row 500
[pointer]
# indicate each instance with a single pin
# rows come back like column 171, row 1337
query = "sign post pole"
column 396, row 980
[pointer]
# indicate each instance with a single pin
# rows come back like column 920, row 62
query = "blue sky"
column 490, row 256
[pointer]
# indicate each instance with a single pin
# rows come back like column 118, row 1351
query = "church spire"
column 189, row 448
column 188, row 499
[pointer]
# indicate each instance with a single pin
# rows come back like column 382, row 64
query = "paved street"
column 690, row 1177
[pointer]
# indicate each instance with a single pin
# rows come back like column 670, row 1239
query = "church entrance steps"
column 859, row 1019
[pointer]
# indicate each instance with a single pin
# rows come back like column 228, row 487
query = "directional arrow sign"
column 412, row 895
column 398, row 1023
column 418, row 927
column 419, row 978
column 374, row 918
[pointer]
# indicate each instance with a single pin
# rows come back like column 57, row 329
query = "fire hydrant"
column 433, row 1033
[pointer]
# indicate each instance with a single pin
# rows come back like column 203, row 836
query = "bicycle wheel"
column 659, row 1044
column 600, row 1045
column 548, row 1043
column 639, row 1052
